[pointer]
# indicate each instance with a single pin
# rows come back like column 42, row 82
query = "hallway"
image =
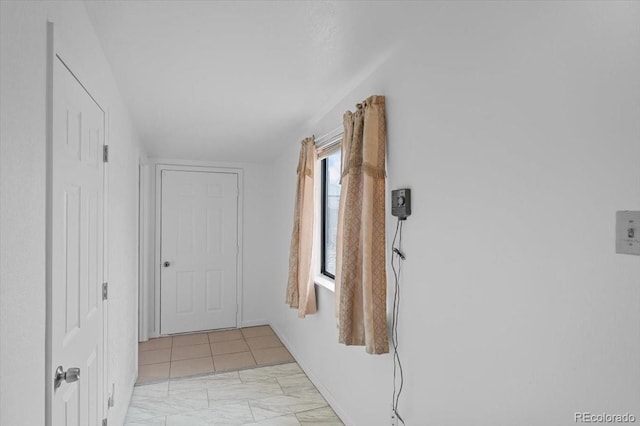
column 514, row 125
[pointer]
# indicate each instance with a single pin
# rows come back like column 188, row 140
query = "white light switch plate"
column 628, row 232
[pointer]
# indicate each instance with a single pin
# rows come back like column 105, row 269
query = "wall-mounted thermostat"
column 628, row 232
column 401, row 203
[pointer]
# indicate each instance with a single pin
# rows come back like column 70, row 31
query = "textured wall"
column 516, row 127
column 22, row 201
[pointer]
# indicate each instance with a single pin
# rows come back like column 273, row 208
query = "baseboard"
column 346, row 419
column 254, row 323
column 250, row 323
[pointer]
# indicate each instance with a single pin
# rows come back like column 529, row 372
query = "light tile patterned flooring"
column 276, row 395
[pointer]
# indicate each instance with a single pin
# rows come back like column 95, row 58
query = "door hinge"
column 104, row 422
column 105, row 291
column 105, row 153
column 111, row 401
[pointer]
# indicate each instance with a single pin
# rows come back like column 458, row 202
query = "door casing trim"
column 193, row 166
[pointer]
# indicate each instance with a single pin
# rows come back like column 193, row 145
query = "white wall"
column 516, row 125
column 22, row 206
column 256, row 246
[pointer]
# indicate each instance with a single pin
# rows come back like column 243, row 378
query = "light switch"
column 628, row 232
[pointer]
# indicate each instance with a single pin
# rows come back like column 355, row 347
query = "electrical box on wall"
column 401, row 203
column 628, row 232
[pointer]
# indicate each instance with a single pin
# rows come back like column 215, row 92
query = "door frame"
column 186, row 166
column 144, row 263
column 58, row 48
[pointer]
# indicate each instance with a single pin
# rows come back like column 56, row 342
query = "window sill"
column 325, row 282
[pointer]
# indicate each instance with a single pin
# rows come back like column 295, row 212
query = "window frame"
column 323, row 214
column 325, row 146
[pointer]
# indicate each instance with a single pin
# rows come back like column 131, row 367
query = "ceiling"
column 236, row 81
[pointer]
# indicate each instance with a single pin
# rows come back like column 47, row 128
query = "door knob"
column 167, row 264
column 69, row 376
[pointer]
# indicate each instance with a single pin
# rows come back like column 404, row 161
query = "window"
column 330, row 200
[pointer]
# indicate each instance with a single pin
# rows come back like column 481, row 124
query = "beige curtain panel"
column 361, row 276
column 300, row 287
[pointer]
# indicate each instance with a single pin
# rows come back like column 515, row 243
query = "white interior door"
column 199, row 251
column 77, row 245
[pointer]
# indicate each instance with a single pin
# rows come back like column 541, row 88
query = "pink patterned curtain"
column 300, row 287
column 361, row 277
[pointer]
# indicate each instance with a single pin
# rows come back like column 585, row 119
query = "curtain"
column 361, row 277
column 300, row 287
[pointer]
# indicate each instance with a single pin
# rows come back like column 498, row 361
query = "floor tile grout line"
column 254, row 358
column 253, row 416
column 170, row 358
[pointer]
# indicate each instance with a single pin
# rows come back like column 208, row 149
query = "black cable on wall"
column 397, row 256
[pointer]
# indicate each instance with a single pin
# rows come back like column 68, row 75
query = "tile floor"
column 279, row 395
column 205, row 353
column 231, row 377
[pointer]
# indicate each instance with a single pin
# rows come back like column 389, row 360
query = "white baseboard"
column 346, row 419
column 254, row 323
column 250, row 323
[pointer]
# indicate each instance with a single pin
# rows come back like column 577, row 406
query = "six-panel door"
column 76, row 245
column 199, row 251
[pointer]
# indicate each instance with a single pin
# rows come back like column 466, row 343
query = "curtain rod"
column 330, row 138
